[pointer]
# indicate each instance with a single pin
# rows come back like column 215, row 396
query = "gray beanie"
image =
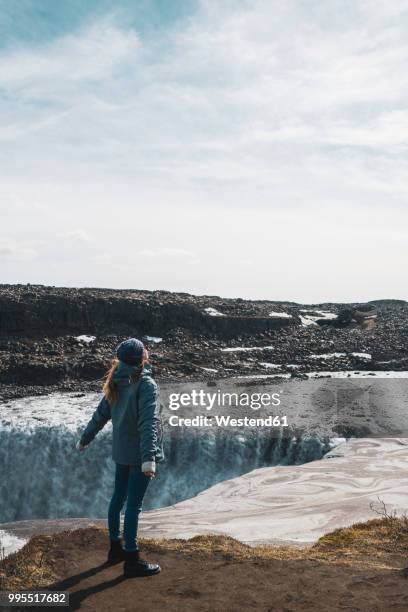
column 130, row 351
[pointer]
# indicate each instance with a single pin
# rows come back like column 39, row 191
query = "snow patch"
column 153, row 339
column 239, row 349
column 356, row 374
column 85, row 338
column 326, row 314
column 310, row 318
column 306, row 321
column 274, row 366
column 366, row 356
column 263, row 376
column 213, row 312
column 280, row 315
column 328, row 355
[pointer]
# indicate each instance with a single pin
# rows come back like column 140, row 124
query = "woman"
column 131, row 401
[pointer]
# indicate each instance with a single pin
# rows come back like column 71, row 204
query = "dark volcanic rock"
column 345, row 316
column 35, row 310
column 186, row 335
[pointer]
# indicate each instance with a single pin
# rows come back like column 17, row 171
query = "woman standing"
column 131, row 401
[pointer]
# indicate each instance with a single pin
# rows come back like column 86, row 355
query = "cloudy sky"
column 252, row 148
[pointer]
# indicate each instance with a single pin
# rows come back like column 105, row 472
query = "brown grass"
column 382, row 542
column 37, row 564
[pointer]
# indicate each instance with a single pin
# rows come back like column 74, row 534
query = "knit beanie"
column 130, row 351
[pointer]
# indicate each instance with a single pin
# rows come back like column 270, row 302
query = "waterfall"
column 44, row 476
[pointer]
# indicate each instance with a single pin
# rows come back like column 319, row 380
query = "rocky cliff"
column 35, row 310
column 64, row 338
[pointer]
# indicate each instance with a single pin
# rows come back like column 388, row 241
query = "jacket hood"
column 124, row 371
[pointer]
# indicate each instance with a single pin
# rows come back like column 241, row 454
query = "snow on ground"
column 309, row 318
column 327, row 374
column 85, row 338
column 9, row 543
column 389, row 361
column 327, row 355
column 274, row 366
column 238, row 349
column 306, row 321
column 280, row 315
column 357, row 374
column 153, row 339
column 334, row 355
column 262, row 376
column 325, row 314
column 214, row 312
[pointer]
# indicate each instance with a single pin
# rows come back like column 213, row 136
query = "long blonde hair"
column 110, row 388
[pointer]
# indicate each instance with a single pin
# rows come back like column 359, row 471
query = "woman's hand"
column 80, row 446
column 149, row 468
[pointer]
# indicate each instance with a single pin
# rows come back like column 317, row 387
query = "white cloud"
column 79, row 59
column 246, row 123
column 77, row 235
column 165, row 252
column 17, row 252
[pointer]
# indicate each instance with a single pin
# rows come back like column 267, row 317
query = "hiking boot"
column 116, row 552
column 135, row 566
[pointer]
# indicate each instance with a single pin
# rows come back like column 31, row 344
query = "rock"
column 39, row 326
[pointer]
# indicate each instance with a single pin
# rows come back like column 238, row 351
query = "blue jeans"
column 130, row 484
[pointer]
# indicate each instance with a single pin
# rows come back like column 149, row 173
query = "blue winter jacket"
column 137, row 429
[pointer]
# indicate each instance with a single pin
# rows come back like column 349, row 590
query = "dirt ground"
column 214, row 574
